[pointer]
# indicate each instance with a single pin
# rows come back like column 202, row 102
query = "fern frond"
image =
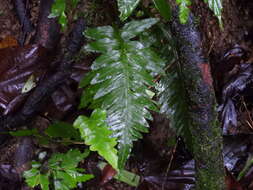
column 96, row 134
column 174, row 101
column 172, row 94
column 119, row 80
column 126, row 7
column 216, row 7
column 183, row 10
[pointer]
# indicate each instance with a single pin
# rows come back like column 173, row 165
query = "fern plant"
column 60, row 10
column 216, row 7
column 61, row 169
column 95, row 133
column 126, row 7
column 171, row 91
column 183, row 10
column 175, row 106
column 119, row 81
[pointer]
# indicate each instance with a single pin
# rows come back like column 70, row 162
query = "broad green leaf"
column 164, row 8
column 97, row 135
column 74, row 3
column 32, row 177
column 100, row 32
column 126, row 7
column 44, row 182
column 63, row 130
column 216, row 7
column 183, row 10
column 63, row 20
column 67, row 160
column 24, row 132
column 60, row 185
column 119, row 81
column 72, row 158
column 65, row 178
column 85, row 177
column 134, row 28
column 58, row 10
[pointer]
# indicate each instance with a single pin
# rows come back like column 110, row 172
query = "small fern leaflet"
column 126, row 7
column 171, row 89
column 184, row 10
column 96, row 134
column 216, row 7
column 119, row 80
column 175, row 106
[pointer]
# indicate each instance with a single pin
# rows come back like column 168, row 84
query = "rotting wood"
column 205, row 128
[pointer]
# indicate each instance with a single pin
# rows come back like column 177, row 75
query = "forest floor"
column 161, row 163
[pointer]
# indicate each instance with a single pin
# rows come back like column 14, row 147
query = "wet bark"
column 23, row 14
column 205, row 128
column 48, row 29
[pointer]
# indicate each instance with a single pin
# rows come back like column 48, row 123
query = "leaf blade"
column 126, row 7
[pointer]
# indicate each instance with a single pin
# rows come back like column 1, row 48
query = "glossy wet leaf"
column 17, row 65
column 58, row 8
column 183, row 10
column 216, row 7
column 24, row 132
column 74, row 3
column 62, row 168
column 63, row 130
column 33, row 177
column 175, row 106
column 164, row 8
column 126, row 7
column 119, row 80
column 234, row 88
column 134, row 28
column 68, row 160
column 96, row 134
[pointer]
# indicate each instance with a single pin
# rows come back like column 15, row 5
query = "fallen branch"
column 205, row 128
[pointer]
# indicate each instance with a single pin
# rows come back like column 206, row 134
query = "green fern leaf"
column 58, row 10
column 62, row 168
column 183, row 10
column 126, row 7
column 119, row 80
column 164, row 8
column 216, row 7
column 96, row 134
column 175, row 106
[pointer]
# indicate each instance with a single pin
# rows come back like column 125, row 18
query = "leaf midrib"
column 127, row 102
